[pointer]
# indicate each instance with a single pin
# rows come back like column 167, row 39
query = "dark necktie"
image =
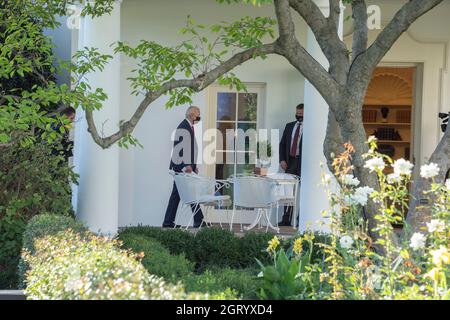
column 295, row 142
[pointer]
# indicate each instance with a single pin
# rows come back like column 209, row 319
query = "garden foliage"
column 414, row 266
column 32, row 181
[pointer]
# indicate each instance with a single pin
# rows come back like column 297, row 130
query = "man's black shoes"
column 284, row 224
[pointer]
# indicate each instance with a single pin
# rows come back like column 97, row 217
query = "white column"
column 96, row 198
column 313, row 198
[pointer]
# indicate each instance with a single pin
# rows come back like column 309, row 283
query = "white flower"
column 429, row 171
column 435, row 225
column 372, row 139
column 361, row 195
column 418, row 241
column 447, row 184
column 393, row 177
column 402, row 166
column 346, row 242
column 350, row 180
column 375, row 164
column 440, row 256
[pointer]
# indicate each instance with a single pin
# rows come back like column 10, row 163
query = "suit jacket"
column 184, row 142
column 285, row 143
column 63, row 147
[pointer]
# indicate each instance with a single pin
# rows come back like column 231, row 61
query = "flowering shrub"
column 61, row 259
column 40, row 226
column 355, row 266
column 67, row 266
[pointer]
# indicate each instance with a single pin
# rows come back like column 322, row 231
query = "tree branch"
column 286, row 26
column 198, row 84
column 360, row 38
column 326, row 33
column 409, row 13
column 335, row 12
column 296, row 54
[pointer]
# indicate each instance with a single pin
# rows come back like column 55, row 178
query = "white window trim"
column 211, row 109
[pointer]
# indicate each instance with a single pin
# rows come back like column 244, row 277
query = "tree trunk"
column 419, row 215
column 352, row 131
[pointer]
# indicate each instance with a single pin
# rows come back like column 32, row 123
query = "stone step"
column 12, row 295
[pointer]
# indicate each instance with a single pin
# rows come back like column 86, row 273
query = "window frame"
column 211, row 111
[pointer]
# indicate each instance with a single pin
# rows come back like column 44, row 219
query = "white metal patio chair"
column 287, row 192
column 195, row 190
column 254, row 192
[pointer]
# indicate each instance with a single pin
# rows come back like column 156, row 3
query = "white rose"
column 394, row 177
column 350, row 180
column 435, row 225
column 402, row 166
column 363, row 193
column 375, row 164
column 360, row 197
column 429, row 171
column 346, row 242
column 418, row 241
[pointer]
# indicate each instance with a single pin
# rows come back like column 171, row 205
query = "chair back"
column 253, row 191
column 192, row 187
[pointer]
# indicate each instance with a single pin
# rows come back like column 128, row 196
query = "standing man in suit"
column 184, row 157
column 291, row 153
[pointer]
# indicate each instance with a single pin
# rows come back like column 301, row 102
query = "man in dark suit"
column 291, row 153
column 184, row 157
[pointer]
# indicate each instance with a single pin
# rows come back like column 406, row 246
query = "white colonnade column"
column 96, row 197
column 313, row 197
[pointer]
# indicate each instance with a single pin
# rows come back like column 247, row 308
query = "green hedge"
column 157, row 258
column 253, row 246
column 41, row 226
column 70, row 266
column 210, row 247
column 175, row 240
column 61, row 259
column 215, row 247
column 243, row 282
column 176, row 268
